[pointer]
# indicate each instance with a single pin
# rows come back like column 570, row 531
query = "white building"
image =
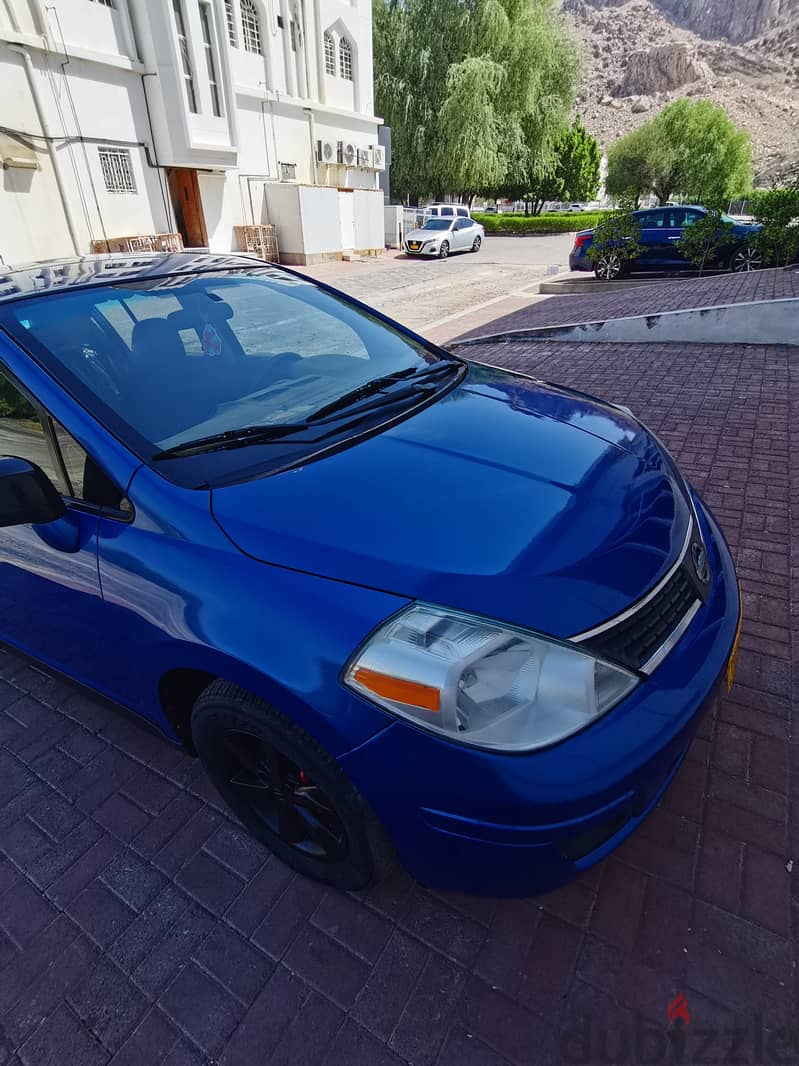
column 121, row 118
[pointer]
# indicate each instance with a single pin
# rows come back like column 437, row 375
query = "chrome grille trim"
column 636, row 607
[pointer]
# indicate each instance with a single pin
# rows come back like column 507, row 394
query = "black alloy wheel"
column 287, row 790
column 283, row 797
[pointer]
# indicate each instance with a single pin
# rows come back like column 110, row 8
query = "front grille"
column 633, row 642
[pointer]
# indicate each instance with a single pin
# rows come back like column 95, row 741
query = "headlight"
column 481, row 683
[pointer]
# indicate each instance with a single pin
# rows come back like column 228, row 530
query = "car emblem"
column 701, row 565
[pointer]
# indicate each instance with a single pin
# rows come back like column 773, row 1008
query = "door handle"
column 676, row 238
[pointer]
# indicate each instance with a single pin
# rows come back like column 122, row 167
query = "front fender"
column 180, row 595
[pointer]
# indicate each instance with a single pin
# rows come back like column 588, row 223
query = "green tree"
column 691, row 149
column 472, row 92
column 574, row 173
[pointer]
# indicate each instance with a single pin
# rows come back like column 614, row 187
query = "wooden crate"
column 260, row 240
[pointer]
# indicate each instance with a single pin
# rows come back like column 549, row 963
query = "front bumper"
column 514, row 825
column 422, row 250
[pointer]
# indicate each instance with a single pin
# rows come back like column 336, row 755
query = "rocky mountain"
column 640, row 55
column 732, row 20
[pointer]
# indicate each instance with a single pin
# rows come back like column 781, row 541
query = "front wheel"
column 443, row 251
column 476, row 244
column 609, row 267
column 288, row 791
column 745, row 259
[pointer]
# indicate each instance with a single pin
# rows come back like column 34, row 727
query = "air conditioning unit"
column 326, row 151
column 366, row 158
column 288, row 171
column 347, row 153
column 379, row 157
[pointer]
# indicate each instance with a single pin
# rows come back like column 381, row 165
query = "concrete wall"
column 761, row 322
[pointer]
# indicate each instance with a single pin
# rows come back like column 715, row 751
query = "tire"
column 443, row 251
column 476, row 244
column 745, row 259
column 288, row 791
column 609, row 267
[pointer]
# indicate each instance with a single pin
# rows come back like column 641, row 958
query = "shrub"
column 777, row 210
column 617, row 237
column 560, row 223
column 703, row 240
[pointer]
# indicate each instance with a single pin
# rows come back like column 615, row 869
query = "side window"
column 447, row 212
column 26, row 434
column 23, row 433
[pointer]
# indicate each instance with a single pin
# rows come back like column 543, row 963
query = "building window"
column 183, row 47
column 105, row 3
column 251, row 27
column 230, row 18
column 345, row 58
column 294, row 32
column 117, row 170
column 330, row 55
column 210, row 62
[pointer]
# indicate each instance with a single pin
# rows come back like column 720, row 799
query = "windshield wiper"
column 419, row 376
column 231, row 438
column 240, row 438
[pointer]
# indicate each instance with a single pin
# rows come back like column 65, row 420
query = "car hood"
column 506, row 497
column 425, row 234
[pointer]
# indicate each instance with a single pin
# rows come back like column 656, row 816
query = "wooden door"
column 184, row 190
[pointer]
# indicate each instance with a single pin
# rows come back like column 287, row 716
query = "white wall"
column 319, row 211
column 94, row 95
column 368, row 219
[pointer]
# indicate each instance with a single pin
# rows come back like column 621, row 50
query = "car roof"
column 55, row 275
column 669, row 207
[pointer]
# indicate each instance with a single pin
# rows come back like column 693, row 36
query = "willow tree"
column 475, row 91
column 692, row 148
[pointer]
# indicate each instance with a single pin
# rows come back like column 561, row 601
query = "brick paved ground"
column 661, row 295
column 138, row 926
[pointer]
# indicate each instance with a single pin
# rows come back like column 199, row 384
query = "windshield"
column 169, row 360
column 438, row 223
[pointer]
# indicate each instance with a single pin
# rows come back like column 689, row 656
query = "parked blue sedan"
column 395, row 601
column 661, row 230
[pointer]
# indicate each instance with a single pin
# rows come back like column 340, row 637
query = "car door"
column 656, row 251
column 674, row 219
column 50, row 598
column 462, row 230
column 680, row 218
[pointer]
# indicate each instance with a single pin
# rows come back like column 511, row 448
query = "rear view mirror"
column 27, row 495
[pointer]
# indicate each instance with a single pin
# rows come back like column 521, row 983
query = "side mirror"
column 27, row 495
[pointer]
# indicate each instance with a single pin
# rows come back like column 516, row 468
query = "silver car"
column 440, row 236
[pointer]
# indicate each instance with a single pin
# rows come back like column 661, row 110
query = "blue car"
column 661, row 230
column 399, row 604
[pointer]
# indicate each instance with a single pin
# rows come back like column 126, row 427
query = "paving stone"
column 234, row 963
column 201, row 1008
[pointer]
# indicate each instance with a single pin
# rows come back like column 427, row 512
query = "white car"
column 441, row 236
